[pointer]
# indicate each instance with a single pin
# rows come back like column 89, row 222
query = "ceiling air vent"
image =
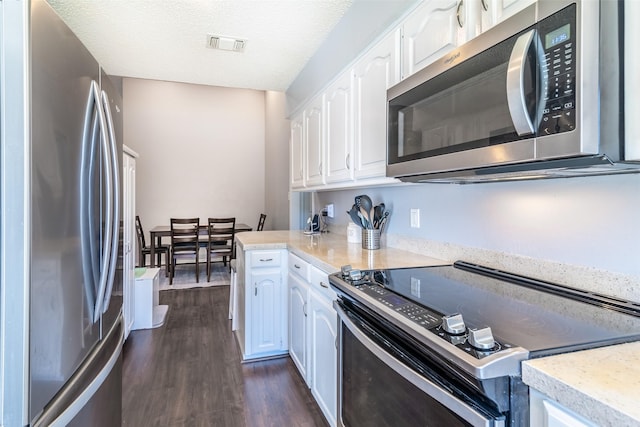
column 232, row 44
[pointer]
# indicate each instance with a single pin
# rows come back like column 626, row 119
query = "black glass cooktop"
column 541, row 317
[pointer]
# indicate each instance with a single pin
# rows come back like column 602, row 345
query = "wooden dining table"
column 160, row 231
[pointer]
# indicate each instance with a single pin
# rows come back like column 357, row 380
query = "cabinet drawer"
column 265, row 259
column 320, row 283
column 299, row 266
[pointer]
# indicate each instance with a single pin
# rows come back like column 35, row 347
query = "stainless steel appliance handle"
column 108, row 183
column 87, row 167
column 115, row 220
column 515, row 84
column 457, row 406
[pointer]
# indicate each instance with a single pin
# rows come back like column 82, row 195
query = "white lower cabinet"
column 549, row 413
column 298, row 324
column 313, row 332
column 324, row 363
column 262, row 303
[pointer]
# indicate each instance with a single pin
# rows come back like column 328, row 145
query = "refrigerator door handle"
column 108, row 223
column 115, row 199
column 87, row 233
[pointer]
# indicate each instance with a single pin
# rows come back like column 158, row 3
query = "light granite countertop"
column 331, row 251
column 602, row 385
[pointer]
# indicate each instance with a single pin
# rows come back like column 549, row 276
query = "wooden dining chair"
column 263, row 217
column 221, row 238
column 144, row 250
column 184, row 243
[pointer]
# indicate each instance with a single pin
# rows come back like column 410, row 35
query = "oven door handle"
column 436, row 392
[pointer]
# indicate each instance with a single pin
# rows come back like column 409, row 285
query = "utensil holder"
column 370, row 239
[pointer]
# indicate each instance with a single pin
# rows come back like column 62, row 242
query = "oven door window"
column 379, row 390
column 467, row 106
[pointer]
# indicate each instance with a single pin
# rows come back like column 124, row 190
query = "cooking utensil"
column 367, row 205
column 363, row 219
column 383, row 220
column 359, row 208
column 355, row 217
column 378, row 211
column 366, row 208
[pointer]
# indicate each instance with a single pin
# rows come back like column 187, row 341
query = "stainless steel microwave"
column 531, row 97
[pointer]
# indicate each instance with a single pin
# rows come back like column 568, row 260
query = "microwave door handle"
column 515, row 85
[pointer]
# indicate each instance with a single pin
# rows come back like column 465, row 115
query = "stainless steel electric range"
column 443, row 346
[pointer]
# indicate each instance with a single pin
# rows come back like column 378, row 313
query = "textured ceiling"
column 166, row 40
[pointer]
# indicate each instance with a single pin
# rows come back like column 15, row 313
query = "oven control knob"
column 453, row 324
column 481, row 338
column 355, row 275
column 345, row 269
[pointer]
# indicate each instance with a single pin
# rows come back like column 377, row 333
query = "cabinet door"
column 314, row 172
column 503, row 9
column 546, row 412
column 128, row 241
column 324, row 356
column 432, row 30
column 298, row 325
column 297, row 152
column 266, row 311
column 374, row 73
column 339, row 135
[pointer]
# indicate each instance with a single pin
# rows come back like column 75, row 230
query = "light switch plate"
column 415, row 218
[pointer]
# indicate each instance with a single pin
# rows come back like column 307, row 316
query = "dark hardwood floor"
column 188, row 373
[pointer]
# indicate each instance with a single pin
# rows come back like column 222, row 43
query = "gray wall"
column 593, row 222
column 276, row 180
column 202, row 150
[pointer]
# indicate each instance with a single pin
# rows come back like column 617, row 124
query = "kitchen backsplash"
column 586, row 278
column 581, row 232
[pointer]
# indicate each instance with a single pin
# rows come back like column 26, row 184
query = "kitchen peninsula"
column 328, row 252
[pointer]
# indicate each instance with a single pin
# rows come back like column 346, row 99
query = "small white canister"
column 354, row 233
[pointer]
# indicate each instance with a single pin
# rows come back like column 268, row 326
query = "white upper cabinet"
column 439, row 26
column 503, row 9
column 339, row 140
column 433, row 29
column 297, row 152
column 492, row 12
column 313, row 132
column 374, row 73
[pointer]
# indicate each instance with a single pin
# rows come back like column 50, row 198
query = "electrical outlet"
column 329, row 209
column 415, row 218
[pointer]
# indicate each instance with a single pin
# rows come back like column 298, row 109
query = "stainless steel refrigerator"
column 61, row 299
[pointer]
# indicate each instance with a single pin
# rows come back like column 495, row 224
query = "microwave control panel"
column 557, row 34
